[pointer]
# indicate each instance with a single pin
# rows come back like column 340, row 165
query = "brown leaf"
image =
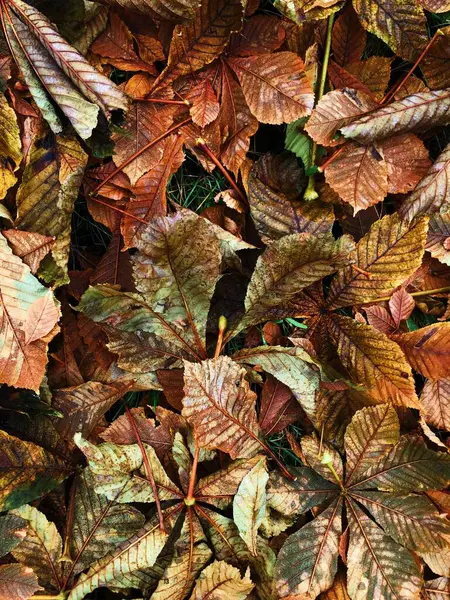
column 435, row 62
column 122, row 432
column 30, row 247
column 198, row 43
column 375, row 73
column 407, row 162
column 435, row 400
column 279, row 408
column 427, row 349
column 18, row 582
column 236, row 122
column 144, row 123
column 116, row 44
column 275, row 86
column 385, row 258
column 349, row 38
column 172, row 382
column 438, row 233
column 431, row 193
column 417, row 112
column 220, row 406
column 204, row 105
column 335, row 110
column 84, row 405
column 402, row 26
column 341, row 78
column 379, row 318
column 373, row 361
column 274, row 186
column 176, row 11
column 261, row 34
column 150, row 191
column 401, row 306
column 359, row 175
column 23, row 364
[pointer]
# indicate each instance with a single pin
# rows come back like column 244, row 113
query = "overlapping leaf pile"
column 250, row 400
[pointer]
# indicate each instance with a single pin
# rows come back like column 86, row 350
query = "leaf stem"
column 331, row 158
column 147, row 467
column 222, row 328
column 117, row 209
column 200, row 142
column 397, row 88
column 193, row 480
column 310, row 192
column 141, row 151
column 414, row 294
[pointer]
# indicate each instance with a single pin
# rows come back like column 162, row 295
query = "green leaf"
column 13, row 529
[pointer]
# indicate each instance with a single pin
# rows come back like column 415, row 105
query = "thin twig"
column 210, row 154
column 165, row 101
column 397, row 88
column 414, row 294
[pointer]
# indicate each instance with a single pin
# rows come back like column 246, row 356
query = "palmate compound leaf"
column 416, row 112
column 402, row 25
column 28, row 322
column 221, row 580
column 249, row 504
column 17, row 582
column 286, row 267
column 292, row 366
column 275, row 86
column 28, row 471
column 198, row 43
column 432, row 193
column 220, row 406
column 427, row 349
column 384, row 257
column 373, row 361
column 172, row 10
column 378, row 564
